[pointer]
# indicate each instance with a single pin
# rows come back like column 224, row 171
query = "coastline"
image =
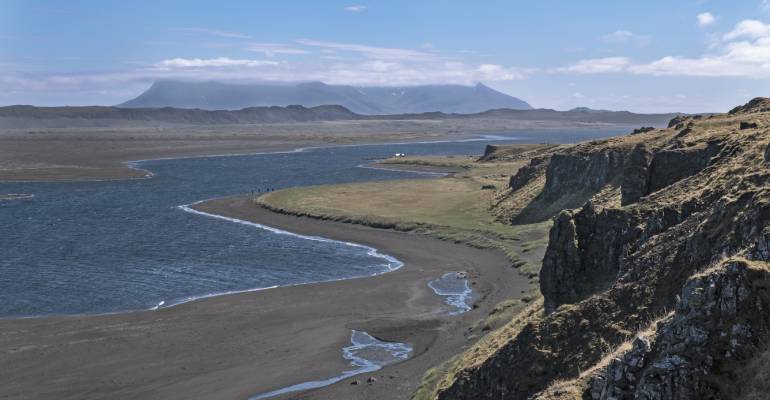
column 46, row 162
column 129, row 169
column 105, row 154
column 240, row 345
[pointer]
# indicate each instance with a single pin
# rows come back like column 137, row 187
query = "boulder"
column 748, row 125
column 643, row 129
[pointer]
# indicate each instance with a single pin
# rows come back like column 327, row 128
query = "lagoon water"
column 100, row 247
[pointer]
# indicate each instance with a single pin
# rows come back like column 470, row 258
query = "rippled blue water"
column 97, row 247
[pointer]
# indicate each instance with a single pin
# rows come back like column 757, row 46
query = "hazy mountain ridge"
column 13, row 116
column 361, row 100
column 23, row 116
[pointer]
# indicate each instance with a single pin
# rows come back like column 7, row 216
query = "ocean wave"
column 16, row 196
column 392, row 263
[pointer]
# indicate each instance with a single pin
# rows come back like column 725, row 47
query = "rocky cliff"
column 667, row 219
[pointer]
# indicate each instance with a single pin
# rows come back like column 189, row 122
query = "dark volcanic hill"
column 361, row 100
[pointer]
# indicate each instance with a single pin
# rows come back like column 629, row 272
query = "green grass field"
column 452, row 208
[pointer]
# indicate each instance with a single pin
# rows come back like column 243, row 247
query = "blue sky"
column 646, row 56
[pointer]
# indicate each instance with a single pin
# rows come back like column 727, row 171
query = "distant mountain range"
column 361, row 100
column 23, row 117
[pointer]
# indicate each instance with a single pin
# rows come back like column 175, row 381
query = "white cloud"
column 706, row 66
column 750, row 28
column 705, row 19
column 622, row 36
column 212, row 62
column 378, row 72
column 271, row 49
column 388, row 53
column 743, row 52
column 496, row 72
column 366, row 72
column 333, row 63
column 596, row 66
column 215, row 32
column 355, row 8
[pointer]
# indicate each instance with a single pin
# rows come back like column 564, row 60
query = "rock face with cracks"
column 675, row 219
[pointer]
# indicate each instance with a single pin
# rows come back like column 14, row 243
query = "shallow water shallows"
column 456, row 290
column 113, row 246
column 366, row 354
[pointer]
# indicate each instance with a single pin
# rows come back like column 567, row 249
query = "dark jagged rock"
column 581, row 171
column 620, row 377
column 636, row 173
column 610, row 272
column 528, row 172
column 756, row 105
column 584, row 253
column 669, row 166
column 676, row 121
column 717, row 325
column 561, row 263
column 488, row 151
column 748, row 125
column 643, row 129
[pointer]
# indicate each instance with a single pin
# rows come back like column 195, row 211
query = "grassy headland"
column 458, row 207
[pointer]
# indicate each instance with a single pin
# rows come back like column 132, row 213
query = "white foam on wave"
column 365, row 353
column 159, row 305
column 16, row 196
column 456, row 295
column 391, row 264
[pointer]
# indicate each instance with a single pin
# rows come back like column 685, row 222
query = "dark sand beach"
column 239, row 345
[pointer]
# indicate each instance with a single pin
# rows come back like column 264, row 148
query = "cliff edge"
column 655, row 282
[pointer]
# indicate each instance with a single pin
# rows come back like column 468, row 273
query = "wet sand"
column 239, row 345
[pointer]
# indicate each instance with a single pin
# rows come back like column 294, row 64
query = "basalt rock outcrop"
column 718, row 325
column 636, row 175
column 582, row 171
column 528, row 172
column 670, row 165
column 676, row 219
